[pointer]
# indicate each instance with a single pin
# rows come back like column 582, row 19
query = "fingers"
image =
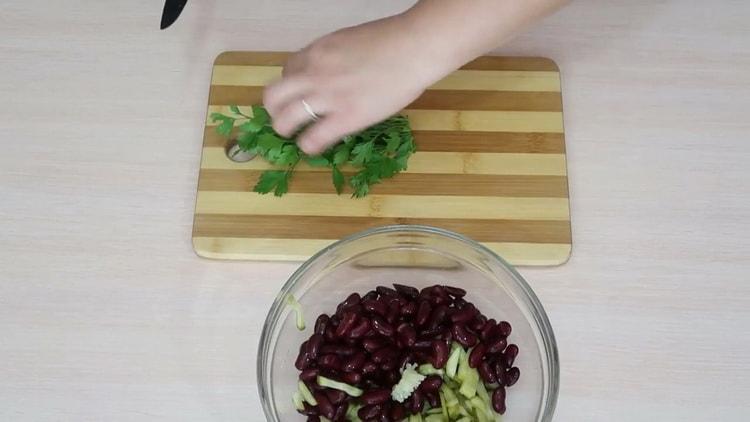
column 326, row 132
column 294, row 115
column 279, row 94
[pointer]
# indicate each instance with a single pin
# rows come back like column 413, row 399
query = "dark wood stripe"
column 512, row 63
column 403, row 184
column 248, row 58
column 326, row 227
column 430, row 100
column 496, row 142
column 455, row 141
column 273, row 58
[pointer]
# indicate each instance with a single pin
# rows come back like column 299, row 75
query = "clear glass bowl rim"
column 530, row 300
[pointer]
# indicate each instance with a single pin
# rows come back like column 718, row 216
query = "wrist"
column 436, row 42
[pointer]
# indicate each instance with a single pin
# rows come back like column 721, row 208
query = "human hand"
column 352, row 78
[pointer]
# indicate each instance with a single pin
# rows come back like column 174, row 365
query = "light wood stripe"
column 486, row 80
column 457, row 141
column 456, row 120
column 404, row 184
column 426, row 163
column 301, row 249
column 394, row 206
column 325, row 227
column 429, row 100
column 274, row 58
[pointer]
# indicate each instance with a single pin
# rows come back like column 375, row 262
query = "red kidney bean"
column 398, row 412
column 372, row 294
column 360, row 329
column 324, row 405
column 437, row 316
column 313, row 346
column 381, row 326
column 438, row 300
column 478, row 323
column 463, row 336
column 369, row 368
column 340, row 415
column 378, row 396
column 386, row 291
column 405, row 358
column 392, row 377
column 510, row 355
column 512, row 376
column 440, row 355
column 431, row 384
column 330, row 362
column 367, row 413
column 406, row 334
column 500, row 376
column 476, row 355
column 486, row 372
column 321, row 323
column 423, row 313
column 384, row 354
column 390, row 364
column 301, row 362
column 455, row 291
column 446, row 334
column 354, row 363
column 433, row 399
column 464, row 315
column 337, row 349
column 371, row 344
column 497, row 346
column 347, row 323
column 416, row 402
column 459, row 303
column 505, row 328
column 375, row 306
column 313, row 418
column 487, row 330
column 351, row 378
column 498, row 400
column 310, row 410
column 309, row 375
column 352, row 300
column 423, row 344
column 394, row 310
column 330, row 334
column 336, row 397
column 409, row 309
column 407, row 291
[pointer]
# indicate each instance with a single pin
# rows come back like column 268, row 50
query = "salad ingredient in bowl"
column 403, row 354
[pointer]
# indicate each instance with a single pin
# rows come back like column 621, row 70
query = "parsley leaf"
column 338, row 179
column 273, row 180
column 378, row 152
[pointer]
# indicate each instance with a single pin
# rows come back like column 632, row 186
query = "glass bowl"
column 419, row 256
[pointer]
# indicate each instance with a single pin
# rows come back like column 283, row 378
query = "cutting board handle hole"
column 235, row 154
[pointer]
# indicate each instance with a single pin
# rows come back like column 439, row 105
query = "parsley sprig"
column 378, row 152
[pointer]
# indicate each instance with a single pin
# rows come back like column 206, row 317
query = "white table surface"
column 106, row 314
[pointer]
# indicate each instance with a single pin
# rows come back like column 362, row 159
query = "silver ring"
column 309, row 110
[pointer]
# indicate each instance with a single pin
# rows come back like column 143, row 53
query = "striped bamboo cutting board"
column 490, row 165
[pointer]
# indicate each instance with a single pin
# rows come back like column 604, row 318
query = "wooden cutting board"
column 490, row 165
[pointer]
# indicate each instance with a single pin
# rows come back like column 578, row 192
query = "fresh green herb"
column 377, row 153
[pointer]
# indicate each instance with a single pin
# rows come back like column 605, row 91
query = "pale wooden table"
column 106, row 314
